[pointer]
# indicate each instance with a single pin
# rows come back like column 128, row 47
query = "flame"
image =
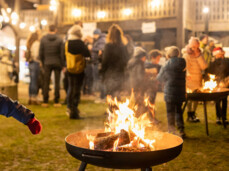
column 210, row 85
column 122, row 116
column 91, row 141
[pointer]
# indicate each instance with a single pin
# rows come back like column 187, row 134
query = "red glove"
column 34, row 126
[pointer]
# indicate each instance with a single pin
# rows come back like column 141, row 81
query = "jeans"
column 75, row 82
column 48, row 70
column 221, row 111
column 34, row 70
column 174, row 113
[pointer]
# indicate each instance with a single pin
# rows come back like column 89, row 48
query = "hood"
column 51, row 37
column 177, row 64
column 139, row 52
column 133, row 61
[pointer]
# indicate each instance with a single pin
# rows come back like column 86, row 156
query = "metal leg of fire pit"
column 82, row 166
column 206, row 117
column 146, row 169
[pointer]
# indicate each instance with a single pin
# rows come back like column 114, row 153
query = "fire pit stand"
column 208, row 96
column 169, row 147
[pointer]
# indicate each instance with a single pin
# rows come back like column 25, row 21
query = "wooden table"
column 215, row 95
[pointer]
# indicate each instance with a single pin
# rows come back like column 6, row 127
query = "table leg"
column 185, row 104
column 206, row 117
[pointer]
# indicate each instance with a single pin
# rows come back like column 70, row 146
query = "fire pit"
column 168, row 147
column 214, row 95
column 125, row 143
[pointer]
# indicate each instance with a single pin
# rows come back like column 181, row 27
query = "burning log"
column 107, row 142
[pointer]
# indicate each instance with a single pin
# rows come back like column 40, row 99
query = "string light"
column 76, row 12
column 44, row 22
column 127, row 11
column 101, row 14
column 32, row 28
column 22, row 25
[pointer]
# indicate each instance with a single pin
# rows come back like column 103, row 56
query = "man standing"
column 50, row 56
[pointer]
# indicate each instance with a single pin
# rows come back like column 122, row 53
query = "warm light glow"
column 53, row 3
column 14, row 16
column 14, row 22
column 52, row 8
column 210, row 85
column 122, row 117
column 76, row 12
column 205, row 10
column 32, row 28
column 22, row 25
column 101, row 14
column 44, row 22
column 1, row 18
column 6, row 19
column 127, row 11
column 155, row 3
column 8, row 10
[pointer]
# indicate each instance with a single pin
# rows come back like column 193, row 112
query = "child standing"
column 173, row 76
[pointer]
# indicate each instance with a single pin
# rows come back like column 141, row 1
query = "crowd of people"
column 111, row 64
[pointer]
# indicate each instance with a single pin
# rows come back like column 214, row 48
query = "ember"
column 123, row 130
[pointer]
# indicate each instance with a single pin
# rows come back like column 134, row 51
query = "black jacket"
column 173, row 75
column 50, row 50
column 220, row 68
column 114, row 60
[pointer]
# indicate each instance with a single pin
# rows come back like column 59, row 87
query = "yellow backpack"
column 75, row 62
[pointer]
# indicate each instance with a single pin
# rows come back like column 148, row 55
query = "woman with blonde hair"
column 115, row 58
column 32, row 57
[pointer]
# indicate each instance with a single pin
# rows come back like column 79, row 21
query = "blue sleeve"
column 10, row 108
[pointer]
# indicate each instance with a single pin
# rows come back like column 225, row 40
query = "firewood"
column 107, row 142
column 104, row 134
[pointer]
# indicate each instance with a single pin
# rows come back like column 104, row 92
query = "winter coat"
column 173, row 75
column 195, row 66
column 220, row 68
column 35, row 51
column 10, row 108
column 50, row 50
column 136, row 72
column 98, row 45
column 113, row 66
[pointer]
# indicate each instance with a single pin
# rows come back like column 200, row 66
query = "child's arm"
column 10, row 108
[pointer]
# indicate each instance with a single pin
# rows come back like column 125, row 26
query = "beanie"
column 217, row 50
column 97, row 31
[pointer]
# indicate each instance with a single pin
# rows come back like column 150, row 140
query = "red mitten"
column 34, row 126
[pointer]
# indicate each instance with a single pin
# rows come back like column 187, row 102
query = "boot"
column 74, row 114
column 192, row 117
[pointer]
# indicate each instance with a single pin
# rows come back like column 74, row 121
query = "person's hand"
column 34, row 126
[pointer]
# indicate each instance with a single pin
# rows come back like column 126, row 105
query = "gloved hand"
column 34, row 126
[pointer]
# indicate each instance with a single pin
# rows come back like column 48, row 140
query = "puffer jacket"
column 195, row 66
column 10, row 108
column 173, row 75
column 50, row 51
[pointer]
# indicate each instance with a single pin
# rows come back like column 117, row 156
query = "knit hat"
column 217, row 50
column 97, row 31
column 139, row 52
column 172, row 51
column 75, row 31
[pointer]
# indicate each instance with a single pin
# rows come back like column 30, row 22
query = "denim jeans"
column 48, row 71
column 34, row 70
column 174, row 113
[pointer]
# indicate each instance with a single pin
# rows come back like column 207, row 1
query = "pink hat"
column 217, row 50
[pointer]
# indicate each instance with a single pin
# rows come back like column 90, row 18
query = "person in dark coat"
column 173, row 75
column 51, row 58
column 136, row 72
column 152, row 68
column 96, row 54
column 10, row 108
column 75, row 46
column 114, row 61
column 220, row 68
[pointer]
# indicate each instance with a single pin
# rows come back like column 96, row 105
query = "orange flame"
column 210, row 85
column 122, row 116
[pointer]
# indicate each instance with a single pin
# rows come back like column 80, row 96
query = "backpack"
column 75, row 62
column 28, row 56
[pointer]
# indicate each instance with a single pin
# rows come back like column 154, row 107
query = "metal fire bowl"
column 168, row 147
column 209, row 96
